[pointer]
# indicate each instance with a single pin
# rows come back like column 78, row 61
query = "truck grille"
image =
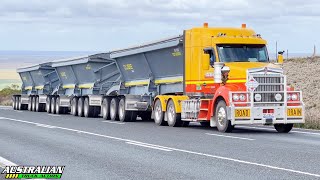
column 269, row 86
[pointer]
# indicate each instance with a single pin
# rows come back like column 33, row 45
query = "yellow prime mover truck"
column 220, row 77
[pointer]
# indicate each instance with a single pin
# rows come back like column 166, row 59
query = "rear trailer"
column 38, row 81
column 84, row 81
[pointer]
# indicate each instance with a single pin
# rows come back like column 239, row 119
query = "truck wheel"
column 124, row 115
column 159, row 114
column 283, row 128
column 114, row 109
column 174, row 118
column 80, row 107
column 58, row 108
column 34, row 103
column 48, row 104
column 205, row 124
column 105, row 109
column 53, row 105
column 30, row 104
column 37, row 105
column 223, row 124
column 87, row 109
column 74, row 106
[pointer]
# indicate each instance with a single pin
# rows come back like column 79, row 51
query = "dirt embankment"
column 304, row 75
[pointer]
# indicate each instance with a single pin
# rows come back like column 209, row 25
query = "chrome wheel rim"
column 85, row 111
column 171, row 113
column 121, row 110
column 222, row 115
column 112, row 109
column 158, row 112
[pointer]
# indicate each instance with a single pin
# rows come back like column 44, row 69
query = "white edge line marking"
column 152, row 147
column 111, row 122
column 302, row 132
column 4, row 162
column 175, row 149
column 55, row 115
column 233, row 137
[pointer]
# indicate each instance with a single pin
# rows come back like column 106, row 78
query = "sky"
column 102, row 25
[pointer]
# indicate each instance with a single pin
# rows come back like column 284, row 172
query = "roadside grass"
column 6, row 94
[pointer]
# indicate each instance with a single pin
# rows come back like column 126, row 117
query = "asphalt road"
column 97, row 149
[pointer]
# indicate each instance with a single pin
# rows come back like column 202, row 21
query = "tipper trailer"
column 220, row 77
column 38, row 81
column 84, row 81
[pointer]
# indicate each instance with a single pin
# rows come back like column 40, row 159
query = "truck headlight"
column 278, row 97
column 242, row 97
column 235, row 97
column 294, row 97
column 257, row 97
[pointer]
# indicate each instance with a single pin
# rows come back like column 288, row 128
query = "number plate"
column 294, row 112
column 242, row 113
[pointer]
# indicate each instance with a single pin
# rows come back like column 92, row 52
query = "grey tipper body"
column 149, row 70
column 38, row 81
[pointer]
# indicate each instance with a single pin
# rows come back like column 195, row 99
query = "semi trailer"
column 83, row 82
column 38, row 81
column 220, row 77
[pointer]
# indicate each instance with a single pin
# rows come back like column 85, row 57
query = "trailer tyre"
column 48, row 104
column 80, row 107
column 223, row 124
column 105, row 109
column 124, row 115
column 159, row 114
column 53, row 105
column 19, row 106
column 74, row 106
column 283, row 128
column 114, row 104
column 14, row 102
column 87, row 109
column 174, row 118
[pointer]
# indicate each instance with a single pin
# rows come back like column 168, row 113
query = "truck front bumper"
column 266, row 115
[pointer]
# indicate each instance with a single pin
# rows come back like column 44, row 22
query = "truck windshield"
column 243, row 53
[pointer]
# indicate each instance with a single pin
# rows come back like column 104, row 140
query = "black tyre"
column 34, row 103
column 159, row 114
column 283, row 128
column 174, row 118
column 223, row 124
column 205, row 124
column 124, row 115
column 74, row 106
column 53, row 105
column 105, row 109
column 114, row 104
column 48, row 104
column 80, row 107
column 37, row 105
column 87, row 109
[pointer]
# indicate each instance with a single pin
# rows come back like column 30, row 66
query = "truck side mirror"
column 211, row 53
